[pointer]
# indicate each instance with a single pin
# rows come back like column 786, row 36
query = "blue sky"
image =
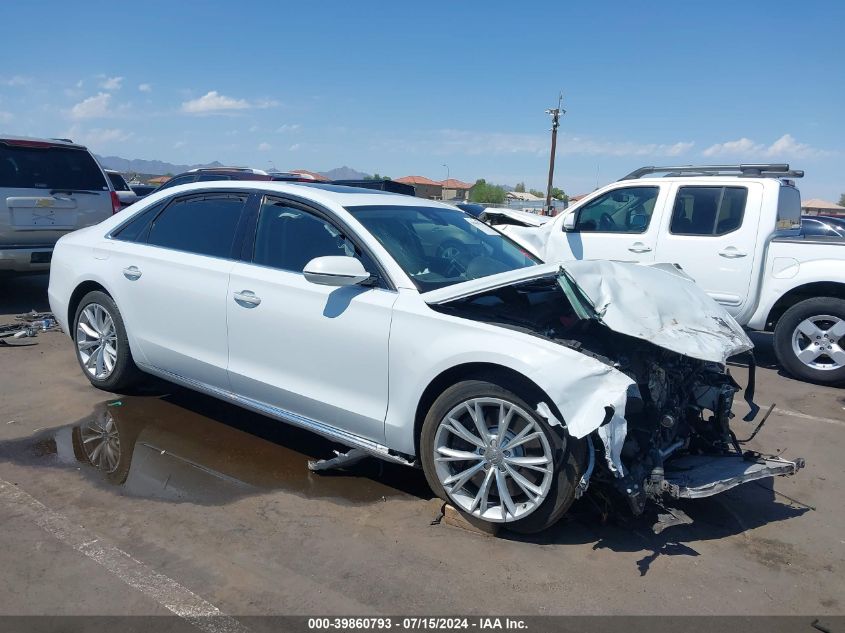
column 404, row 88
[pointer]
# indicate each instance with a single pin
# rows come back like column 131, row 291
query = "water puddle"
column 187, row 447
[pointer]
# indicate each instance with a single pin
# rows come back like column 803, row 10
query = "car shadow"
column 23, row 293
column 597, row 521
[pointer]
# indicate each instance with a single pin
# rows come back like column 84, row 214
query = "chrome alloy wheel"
column 96, row 341
column 101, row 442
column 493, row 459
column 819, row 342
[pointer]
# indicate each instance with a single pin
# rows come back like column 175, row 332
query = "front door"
column 316, row 351
column 621, row 225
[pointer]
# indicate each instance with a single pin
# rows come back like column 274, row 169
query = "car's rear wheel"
column 810, row 340
column 102, row 348
column 486, row 451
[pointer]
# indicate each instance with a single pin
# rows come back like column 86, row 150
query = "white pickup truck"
column 735, row 229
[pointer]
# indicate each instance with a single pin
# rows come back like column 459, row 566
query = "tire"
column 810, row 340
column 89, row 317
column 492, row 466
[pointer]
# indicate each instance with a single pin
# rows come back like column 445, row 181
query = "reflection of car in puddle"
column 153, row 447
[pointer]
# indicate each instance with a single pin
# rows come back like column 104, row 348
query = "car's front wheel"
column 491, row 455
column 810, row 340
column 102, row 348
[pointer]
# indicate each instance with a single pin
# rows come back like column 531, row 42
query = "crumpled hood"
column 656, row 303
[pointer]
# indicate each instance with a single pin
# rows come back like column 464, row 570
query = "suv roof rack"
column 774, row 170
column 246, row 170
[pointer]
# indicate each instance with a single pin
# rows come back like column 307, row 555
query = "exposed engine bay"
column 678, row 440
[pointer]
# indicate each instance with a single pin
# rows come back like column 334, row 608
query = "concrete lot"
column 218, row 507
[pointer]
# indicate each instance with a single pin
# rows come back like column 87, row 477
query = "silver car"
column 48, row 187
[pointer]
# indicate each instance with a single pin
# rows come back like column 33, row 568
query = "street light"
column 447, row 170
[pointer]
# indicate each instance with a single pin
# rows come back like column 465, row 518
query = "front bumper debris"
column 698, row 476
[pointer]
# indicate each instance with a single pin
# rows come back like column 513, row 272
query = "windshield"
column 439, row 247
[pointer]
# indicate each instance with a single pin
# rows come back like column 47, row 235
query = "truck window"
column 708, row 210
column 626, row 210
column 789, row 208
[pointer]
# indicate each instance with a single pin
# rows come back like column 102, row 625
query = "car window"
column 200, row 224
column 626, row 210
column 179, row 180
column 49, row 168
column 811, row 226
column 438, row 247
column 136, row 228
column 118, row 182
column 208, row 177
column 288, row 237
column 708, row 210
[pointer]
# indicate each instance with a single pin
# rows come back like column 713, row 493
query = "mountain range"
column 160, row 168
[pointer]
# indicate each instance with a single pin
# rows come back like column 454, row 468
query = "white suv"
column 48, row 187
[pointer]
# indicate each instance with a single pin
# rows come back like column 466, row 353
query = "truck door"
column 712, row 233
column 621, row 225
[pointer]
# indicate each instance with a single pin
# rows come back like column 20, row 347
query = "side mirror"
column 569, row 221
column 334, row 270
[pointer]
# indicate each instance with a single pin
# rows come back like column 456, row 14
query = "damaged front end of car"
column 660, row 347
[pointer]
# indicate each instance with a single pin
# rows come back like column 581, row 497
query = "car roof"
column 58, row 142
column 318, row 192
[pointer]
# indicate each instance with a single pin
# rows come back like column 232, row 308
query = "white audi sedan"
column 410, row 331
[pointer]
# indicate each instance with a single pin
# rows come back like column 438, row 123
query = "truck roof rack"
column 775, row 170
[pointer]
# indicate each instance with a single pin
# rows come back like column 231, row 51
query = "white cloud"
column 111, row 83
column 287, row 127
column 145, row 87
column 264, row 147
column 500, row 143
column 17, row 80
column 97, row 136
column 179, row 144
column 253, row 128
column 79, row 83
column 5, row 117
column 786, row 147
column 214, row 103
column 97, row 106
column 294, row 147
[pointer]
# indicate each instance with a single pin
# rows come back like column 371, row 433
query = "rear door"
column 47, row 190
column 169, row 276
column 712, row 234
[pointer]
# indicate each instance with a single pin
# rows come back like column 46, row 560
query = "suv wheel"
column 810, row 340
column 102, row 348
column 486, row 451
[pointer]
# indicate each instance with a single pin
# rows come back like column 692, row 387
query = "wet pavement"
column 221, row 501
column 168, row 447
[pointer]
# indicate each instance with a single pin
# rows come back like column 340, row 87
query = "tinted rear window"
column 49, row 168
column 204, row 224
column 118, row 182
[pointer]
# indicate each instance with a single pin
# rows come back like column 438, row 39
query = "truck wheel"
column 810, row 340
column 486, row 451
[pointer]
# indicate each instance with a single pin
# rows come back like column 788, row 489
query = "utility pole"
column 555, row 114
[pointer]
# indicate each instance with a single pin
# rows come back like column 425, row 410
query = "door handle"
column 639, row 247
column 132, row 273
column 246, row 299
column 732, row 252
